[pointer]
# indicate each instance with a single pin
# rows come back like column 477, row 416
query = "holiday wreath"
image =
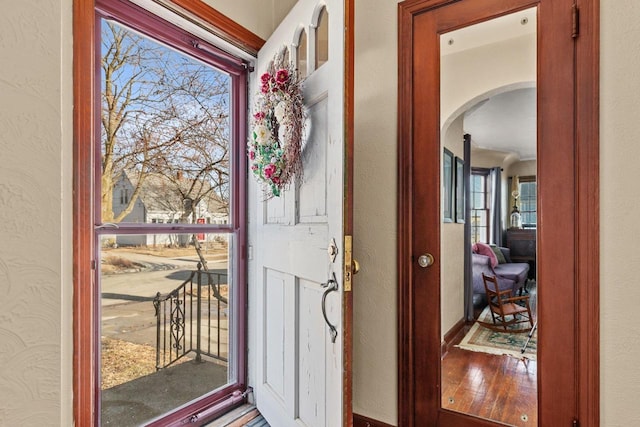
column 277, row 128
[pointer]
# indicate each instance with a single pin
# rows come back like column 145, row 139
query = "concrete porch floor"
column 141, row 400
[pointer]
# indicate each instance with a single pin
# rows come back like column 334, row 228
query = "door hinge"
column 93, row 264
column 575, row 423
column 348, row 264
column 575, row 21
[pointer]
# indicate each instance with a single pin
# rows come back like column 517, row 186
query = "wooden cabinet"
column 522, row 243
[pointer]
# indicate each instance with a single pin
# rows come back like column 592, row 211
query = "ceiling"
column 505, row 122
column 505, row 27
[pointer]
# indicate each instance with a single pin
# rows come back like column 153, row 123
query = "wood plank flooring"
column 500, row 388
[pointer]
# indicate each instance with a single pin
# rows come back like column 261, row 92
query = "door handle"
column 426, row 260
column 331, row 285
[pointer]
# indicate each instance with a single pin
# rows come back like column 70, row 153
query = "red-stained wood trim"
column 456, row 419
column 362, row 421
column 568, row 171
column 349, row 70
column 227, row 28
column 406, row 392
column 453, row 336
column 425, row 234
column 588, row 202
column 557, row 388
column 84, row 338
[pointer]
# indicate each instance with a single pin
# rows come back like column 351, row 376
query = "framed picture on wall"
column 447, row 185
column 459, row 197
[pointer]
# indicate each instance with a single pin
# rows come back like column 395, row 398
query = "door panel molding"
column 568, row 386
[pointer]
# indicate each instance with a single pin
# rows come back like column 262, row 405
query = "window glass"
column 479, row 226
column 528, row 203
column 301, row 54
column 166, row 322
column 322, row 38
column 165, row 132
column 479, row 207
column 167, row 245
column 285, row 55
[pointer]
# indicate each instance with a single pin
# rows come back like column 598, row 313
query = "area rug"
column 485, row 340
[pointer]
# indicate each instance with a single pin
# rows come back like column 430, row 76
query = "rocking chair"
column 506, row 310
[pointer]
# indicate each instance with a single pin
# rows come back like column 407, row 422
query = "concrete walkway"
column 139, row 401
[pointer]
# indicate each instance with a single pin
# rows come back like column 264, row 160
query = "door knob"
column 425, row 260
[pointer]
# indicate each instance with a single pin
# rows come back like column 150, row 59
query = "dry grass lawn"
column 123, row 361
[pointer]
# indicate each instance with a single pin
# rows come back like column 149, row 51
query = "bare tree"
column 164, row 114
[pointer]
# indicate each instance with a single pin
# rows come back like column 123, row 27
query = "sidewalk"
column 141, row 400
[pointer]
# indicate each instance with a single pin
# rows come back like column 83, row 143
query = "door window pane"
column 301, row 54
column 322, row 38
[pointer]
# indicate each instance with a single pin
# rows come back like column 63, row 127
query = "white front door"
column 296, row 365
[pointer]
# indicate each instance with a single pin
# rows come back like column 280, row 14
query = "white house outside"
column 167, row 201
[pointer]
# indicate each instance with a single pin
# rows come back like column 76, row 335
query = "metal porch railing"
column 192, row 319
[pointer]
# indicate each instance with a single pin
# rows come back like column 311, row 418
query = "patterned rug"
column 485, row 340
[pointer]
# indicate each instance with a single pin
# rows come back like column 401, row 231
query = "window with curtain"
column 528, row 201
column 480, row 208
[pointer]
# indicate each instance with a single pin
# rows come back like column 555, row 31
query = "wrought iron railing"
column 192, row 319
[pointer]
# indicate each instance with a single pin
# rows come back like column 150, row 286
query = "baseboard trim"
column 453, row 336
column 362, row 421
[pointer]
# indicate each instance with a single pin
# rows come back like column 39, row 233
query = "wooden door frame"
column 347, row 302
column 576, row 396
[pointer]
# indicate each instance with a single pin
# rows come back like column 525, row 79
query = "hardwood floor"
column 500, row 388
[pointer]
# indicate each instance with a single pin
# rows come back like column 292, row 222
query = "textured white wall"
column 490, row 158
column 509, row 63
column 619, row 203
column 375, row 324
column 452, row 247
column 35, row 213
column 524, row 168
column 259, row 16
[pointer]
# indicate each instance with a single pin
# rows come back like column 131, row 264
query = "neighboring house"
column 162, row 200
